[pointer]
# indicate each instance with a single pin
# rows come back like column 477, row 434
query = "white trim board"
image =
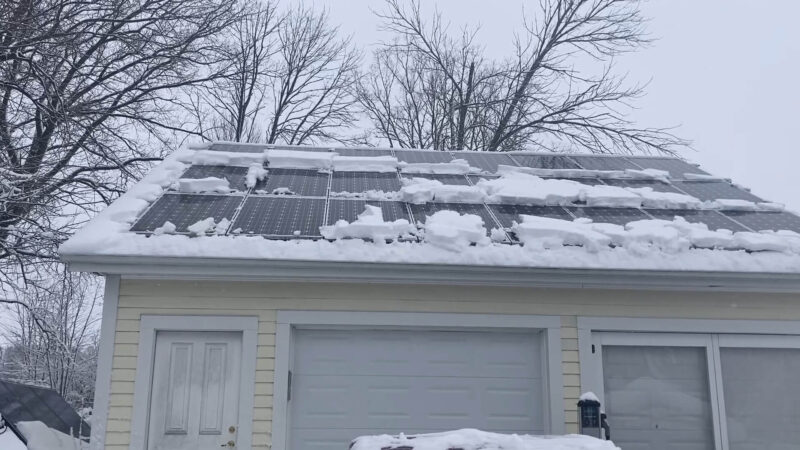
column 150, row 324
column 287, row 320
column 105, row 359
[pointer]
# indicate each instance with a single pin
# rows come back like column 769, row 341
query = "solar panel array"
column 294, row 203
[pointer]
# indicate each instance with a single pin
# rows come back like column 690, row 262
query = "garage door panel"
column 434, row 353
column 443, row 403
column 347, row 383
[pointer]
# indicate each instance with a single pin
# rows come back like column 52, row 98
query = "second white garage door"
column 347, row 383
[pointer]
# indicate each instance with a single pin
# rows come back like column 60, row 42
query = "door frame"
column 150, row 325
column 711, row 333
column 549, row 326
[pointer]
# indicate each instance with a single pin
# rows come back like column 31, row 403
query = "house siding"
column 263, row 300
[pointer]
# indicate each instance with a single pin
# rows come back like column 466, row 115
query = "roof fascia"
column 322, row 271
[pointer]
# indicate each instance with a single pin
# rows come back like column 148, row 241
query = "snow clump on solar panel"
column 369, row 225
column 453, row 231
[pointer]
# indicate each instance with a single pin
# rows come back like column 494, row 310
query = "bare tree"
column 557, row 92
column 86, row 90
column 231, row 107
column 63, row 354
column 315, row 74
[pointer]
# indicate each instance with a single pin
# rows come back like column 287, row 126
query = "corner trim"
column 470, row 275
column 105, row 359
column 150, row 324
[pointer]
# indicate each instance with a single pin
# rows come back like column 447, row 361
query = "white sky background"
column 726, row 72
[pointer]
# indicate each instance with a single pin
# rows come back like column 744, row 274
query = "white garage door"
column 347, row 383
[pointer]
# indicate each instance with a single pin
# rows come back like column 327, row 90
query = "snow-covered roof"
column 412, row 207
column 470, row 439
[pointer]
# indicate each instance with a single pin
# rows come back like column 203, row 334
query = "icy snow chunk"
column 470, row 439
column 702, row 177
column 293, row 159
column 546, row 232
column 757, row 242
column 255, row 173
column 611, row 196
column 733, row 204
column 666, row 200
column 453, row 231
column 167, row 228
column 209, row 184
column 282, row 191
column 648, row 174
column 213, row 158
column 365, row 164
column 656, row 233
column 771, row 206
column 222, row 226
column 423, row 190
column 524, row 189
column 633, row 174
column 368, row 225
column 454, row 167
column 201, row 227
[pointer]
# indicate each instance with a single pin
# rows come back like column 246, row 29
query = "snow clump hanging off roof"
column 469, row 439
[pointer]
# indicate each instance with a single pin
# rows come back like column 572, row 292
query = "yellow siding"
column 139, row 297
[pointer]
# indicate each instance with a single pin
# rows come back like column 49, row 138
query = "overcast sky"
column 724, row 71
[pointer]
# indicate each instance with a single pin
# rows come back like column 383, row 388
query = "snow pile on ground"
column 423, row 190
column 255, row 173
column 198, row 185
column 453, row 231
column 381, row 164
column 369, row 225
column 454, row 167
column 40, row 437
column 469, row 439
column 213, row 158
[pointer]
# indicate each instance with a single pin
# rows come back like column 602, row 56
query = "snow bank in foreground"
column 453, row 231
column 198, row 185
column 40, row 437
column 369, row 225
column 469, row 439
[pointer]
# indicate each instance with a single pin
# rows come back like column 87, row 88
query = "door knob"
column 230, row 444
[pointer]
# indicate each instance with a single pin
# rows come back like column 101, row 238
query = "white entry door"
column 348, row 383
column 195, row 395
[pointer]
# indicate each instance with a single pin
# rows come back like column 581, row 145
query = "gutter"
column 466, row 275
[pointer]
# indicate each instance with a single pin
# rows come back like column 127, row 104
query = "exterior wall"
column 139, row 297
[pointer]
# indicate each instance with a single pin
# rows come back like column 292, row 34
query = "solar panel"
column 507, row 214
column 421, row 212
column 657, row 186
column 419, row 156
column 713, row 190
column 603, row 162
column 487, row 161
column 676, row 167
column 545, row 161
column 238, row 147
column 362, row 152
column 713, row 219
column 235, row 175
column 350, row 209
column 759, row 221
column 23, row 403
column 619, row 216
column 444, row 179
column 281, row 217
column 299, row 182
column 184, row 210
column 364, row 181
